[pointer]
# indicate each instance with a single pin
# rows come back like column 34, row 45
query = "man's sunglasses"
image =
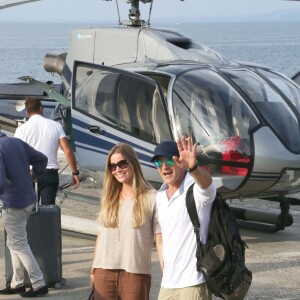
column 169, row 162
column 122, row 164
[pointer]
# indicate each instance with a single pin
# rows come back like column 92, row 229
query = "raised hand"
column 187, row 153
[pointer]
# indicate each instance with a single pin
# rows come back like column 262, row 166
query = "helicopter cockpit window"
column 271, row 105
column 94, row 93
column 291, row 91
column 125, row 101
column 104, row 102
column 140, row 109
column 215, row 116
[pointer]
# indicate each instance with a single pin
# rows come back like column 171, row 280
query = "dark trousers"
column 121, row 285
column 48, row 186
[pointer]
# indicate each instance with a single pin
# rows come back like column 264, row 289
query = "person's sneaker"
column 37, row 293
column 10, row 291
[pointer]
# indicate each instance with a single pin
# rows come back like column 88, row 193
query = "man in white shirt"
column 178, row 167
column 46, row 136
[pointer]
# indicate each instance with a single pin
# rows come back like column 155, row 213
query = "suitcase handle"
column 34, row 181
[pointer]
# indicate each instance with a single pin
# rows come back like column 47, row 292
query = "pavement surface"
column 273, row 258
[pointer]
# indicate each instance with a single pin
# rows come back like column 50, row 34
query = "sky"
column 86, row 11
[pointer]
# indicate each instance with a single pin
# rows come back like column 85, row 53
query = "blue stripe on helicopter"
column 101, row 144
column 142, row 157
column 85, row 126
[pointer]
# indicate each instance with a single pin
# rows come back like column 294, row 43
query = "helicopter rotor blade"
column 14, row 3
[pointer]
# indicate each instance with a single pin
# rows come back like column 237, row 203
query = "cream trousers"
column 196, row 292
column 15, row 221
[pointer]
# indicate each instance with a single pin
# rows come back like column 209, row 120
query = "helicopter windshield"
column 208, row 109
column 274, row 109
column 291, row 91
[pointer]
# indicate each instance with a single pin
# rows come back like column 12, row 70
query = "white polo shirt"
column 43, row 135
column 179, row 241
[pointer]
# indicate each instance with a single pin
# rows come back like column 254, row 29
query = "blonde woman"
column 128, row 223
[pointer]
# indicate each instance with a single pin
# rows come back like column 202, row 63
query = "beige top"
column 125, row 247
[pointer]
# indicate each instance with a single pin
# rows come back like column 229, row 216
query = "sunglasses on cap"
column 159, row 162
column 122, row 164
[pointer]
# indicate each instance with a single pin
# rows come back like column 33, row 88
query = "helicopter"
column 245, row 117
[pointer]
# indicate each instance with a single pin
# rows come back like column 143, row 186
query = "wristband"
column 193, row 168
column 75, row 173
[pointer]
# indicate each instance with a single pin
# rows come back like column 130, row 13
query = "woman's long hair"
column 112, row 188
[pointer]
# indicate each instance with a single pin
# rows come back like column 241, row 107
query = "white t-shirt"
column 179, row 240
column 43, row 135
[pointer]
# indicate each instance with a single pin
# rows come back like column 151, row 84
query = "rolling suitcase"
column 44, row 238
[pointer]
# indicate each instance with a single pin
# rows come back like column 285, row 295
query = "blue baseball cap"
column 167, row 149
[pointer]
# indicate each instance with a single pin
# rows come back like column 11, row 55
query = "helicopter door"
column 110, row 106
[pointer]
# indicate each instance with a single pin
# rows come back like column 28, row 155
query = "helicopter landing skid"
column 265, row 221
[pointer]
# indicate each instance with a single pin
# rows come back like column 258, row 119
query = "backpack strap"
column 192, row 211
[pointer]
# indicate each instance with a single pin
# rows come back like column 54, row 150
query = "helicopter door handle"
column 96, row 129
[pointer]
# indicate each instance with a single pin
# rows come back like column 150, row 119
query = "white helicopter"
column 162, row 85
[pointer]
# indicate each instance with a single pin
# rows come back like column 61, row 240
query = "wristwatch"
column 75, row 173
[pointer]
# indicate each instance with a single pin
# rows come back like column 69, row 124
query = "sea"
column 273, row 44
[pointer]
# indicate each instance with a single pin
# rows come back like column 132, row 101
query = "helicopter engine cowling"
column 54, row 62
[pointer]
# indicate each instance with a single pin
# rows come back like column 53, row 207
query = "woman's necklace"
column 123, row 202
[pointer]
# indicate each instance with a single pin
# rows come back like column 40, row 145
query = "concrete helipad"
column 274, row 260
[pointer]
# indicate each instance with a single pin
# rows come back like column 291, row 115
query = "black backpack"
column 222, row 258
